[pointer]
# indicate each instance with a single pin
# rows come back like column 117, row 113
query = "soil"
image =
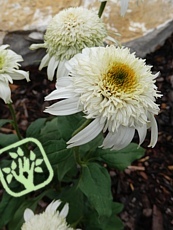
column 146, row 187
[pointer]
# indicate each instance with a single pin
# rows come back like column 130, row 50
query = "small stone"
column 147, row 212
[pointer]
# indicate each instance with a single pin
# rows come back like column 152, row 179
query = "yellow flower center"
column 120, row 78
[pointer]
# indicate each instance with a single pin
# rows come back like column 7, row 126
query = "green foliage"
column 122, row 158
column 17, row 218
column 96, row 185
column 113, row 222
column 34, row 129
column 7, row 139
column 4, row 121
column 79, row 175
column 8, row 207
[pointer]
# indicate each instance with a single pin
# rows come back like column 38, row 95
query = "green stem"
column 101, row 9
column 14, row 121
column 77, row 155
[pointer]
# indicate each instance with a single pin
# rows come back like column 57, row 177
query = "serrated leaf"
column 13, row 155
column 96, row 185
column 38, row 162
column 6, row 170
column 123, row 158
column 13, row 165
column 38, row 170
column 20, row 152
column 9, row 178
column 32, row 156
column 35, row 127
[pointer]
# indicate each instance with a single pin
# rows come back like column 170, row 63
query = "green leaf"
column 35, row 127
column 38, row 162
column 114, row 223
column 65, row 166
column 38, row 170
column 4, row 121
column 7, row 139
column 94, row 222
column 20, row 152
column 9, row 178
column 68, row 124
column 123, row 158
column 13, row 165
column 8, row 207
column 50, row 131
column 75, row 198
column 13, row 155
column 89, row 149
column 6, row 170
column 117, row 207
column 96, row 185
column 32, row 156
column 56, row 151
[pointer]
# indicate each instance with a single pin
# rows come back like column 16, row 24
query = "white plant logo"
column 23, row 168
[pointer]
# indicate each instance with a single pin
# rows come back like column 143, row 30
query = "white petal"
column 142, row 131
column 87, row 134
column 3, row 47
column 64, row 107
column 6, row 78
column 37, row 46
column 52, row 207
column 62, row 70
column 28, row 214
column 19, row 75
column 118, row 139
column 154, row 131
column 44, row 61
column 53, row 63
column 124, row 6
column 63, row 82
column 126, row 139
column 64, row 211
column 157, row 75
column 5, row 92
column 60, row 93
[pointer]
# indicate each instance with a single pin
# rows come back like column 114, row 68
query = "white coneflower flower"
column 51, row 219
column 124, row 5
column 9, row 71
column 68, row 33
column 114, row 89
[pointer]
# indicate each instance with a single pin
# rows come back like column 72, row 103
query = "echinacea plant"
column 103, row 95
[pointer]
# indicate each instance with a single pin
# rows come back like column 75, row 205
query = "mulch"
column 146, row 187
